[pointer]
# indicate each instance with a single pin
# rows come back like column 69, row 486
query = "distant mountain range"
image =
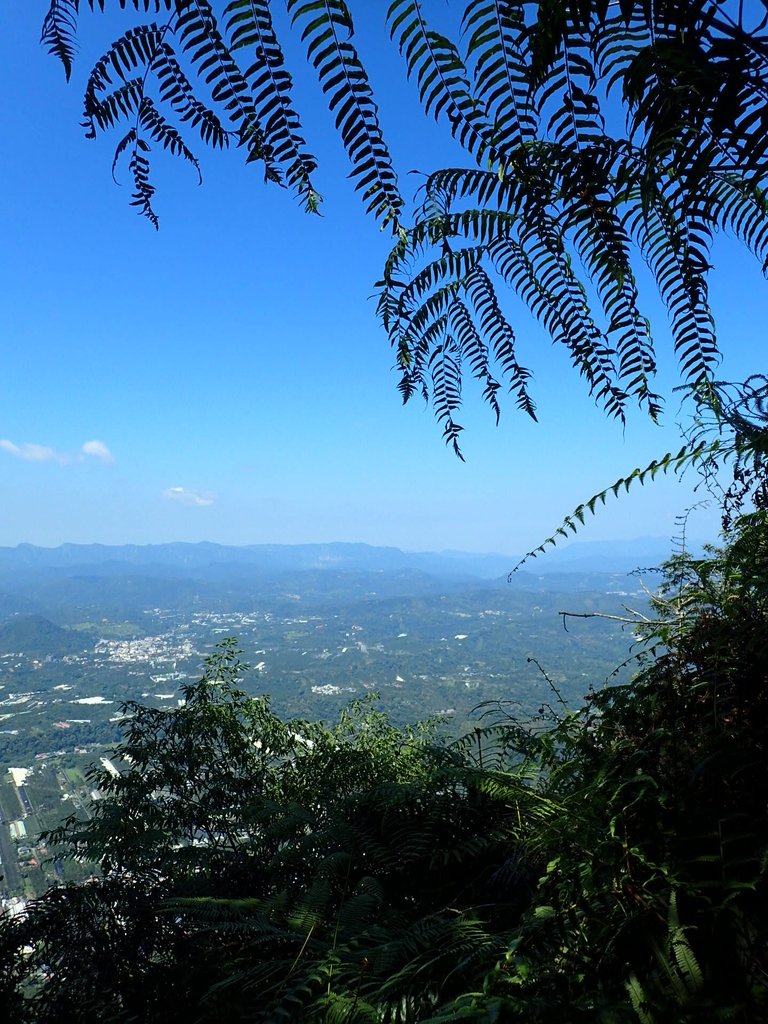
column 42, row 589
column 180, row 559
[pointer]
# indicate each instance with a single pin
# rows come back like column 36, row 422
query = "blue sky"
column 225, row 379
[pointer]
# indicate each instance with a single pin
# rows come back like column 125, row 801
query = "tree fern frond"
column 475, row 351
column 158, row 129
column 431, row 951
column 595, row 225
column 249, row 25
column 500, row 73
column 176, row 90
column 531, row 254
column 350, row 98
column 59, row 32
column 411, row 309
column 540, row 272
column 200, row 37
column 445, row 370
column 743, row 208
column 566, row 197
column 616, row 41
column 441, row 77
column 453, row 264
column 676, row 247
column 479, row 287
column 571, row 89
column 127, row 56
column 127, row 140
column 106, row 111
column 487, row 188
column 143, row 190
column 688, row 455
column 139, row 5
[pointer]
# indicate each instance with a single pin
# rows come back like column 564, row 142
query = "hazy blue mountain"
column 186, row 558
column 75, row 583
column 183, row 560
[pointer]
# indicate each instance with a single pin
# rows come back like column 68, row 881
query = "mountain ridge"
column 580, row 556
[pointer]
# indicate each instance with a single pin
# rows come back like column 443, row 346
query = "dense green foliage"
column 599, row 136
column 239, row 870
column 606, row 864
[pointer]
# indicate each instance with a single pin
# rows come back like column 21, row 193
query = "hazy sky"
column 225, row 379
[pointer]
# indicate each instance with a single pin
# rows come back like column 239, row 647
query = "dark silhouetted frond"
column 326, row 28
column 177, row 91
column 201, row 40
column 442, row 80
column 500, row 338
column 59, row 33
column 158, row 129
column 125, row 62
column 600, row 136
column 249, row 27
column 143, row 189
column 496, row 47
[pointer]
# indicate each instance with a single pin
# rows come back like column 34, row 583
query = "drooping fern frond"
column 327, row 30
column 137, row 53
column 474, row 351
column 445, row 371
column 249, row 27
column 479, row 288
column 743, row 209
column 157, row 128
column 443, row 84
column 496, row 48
column 563, row 79
column 124, row 63
column 689, row 455
column 595, row 226
column 59, row 32
column 676, row 245
column 197, row 28
column 176, row 90
column 560, row 297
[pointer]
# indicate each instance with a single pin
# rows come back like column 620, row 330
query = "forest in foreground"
column 600, row 864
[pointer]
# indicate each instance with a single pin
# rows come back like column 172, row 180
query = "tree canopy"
column 599, row 137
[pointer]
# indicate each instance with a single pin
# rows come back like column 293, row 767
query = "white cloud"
column 98, row 450
column 30, row 452
column 193, row 499
column 42, row 453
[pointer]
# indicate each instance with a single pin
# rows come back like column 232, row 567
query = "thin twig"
column 637, row 620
